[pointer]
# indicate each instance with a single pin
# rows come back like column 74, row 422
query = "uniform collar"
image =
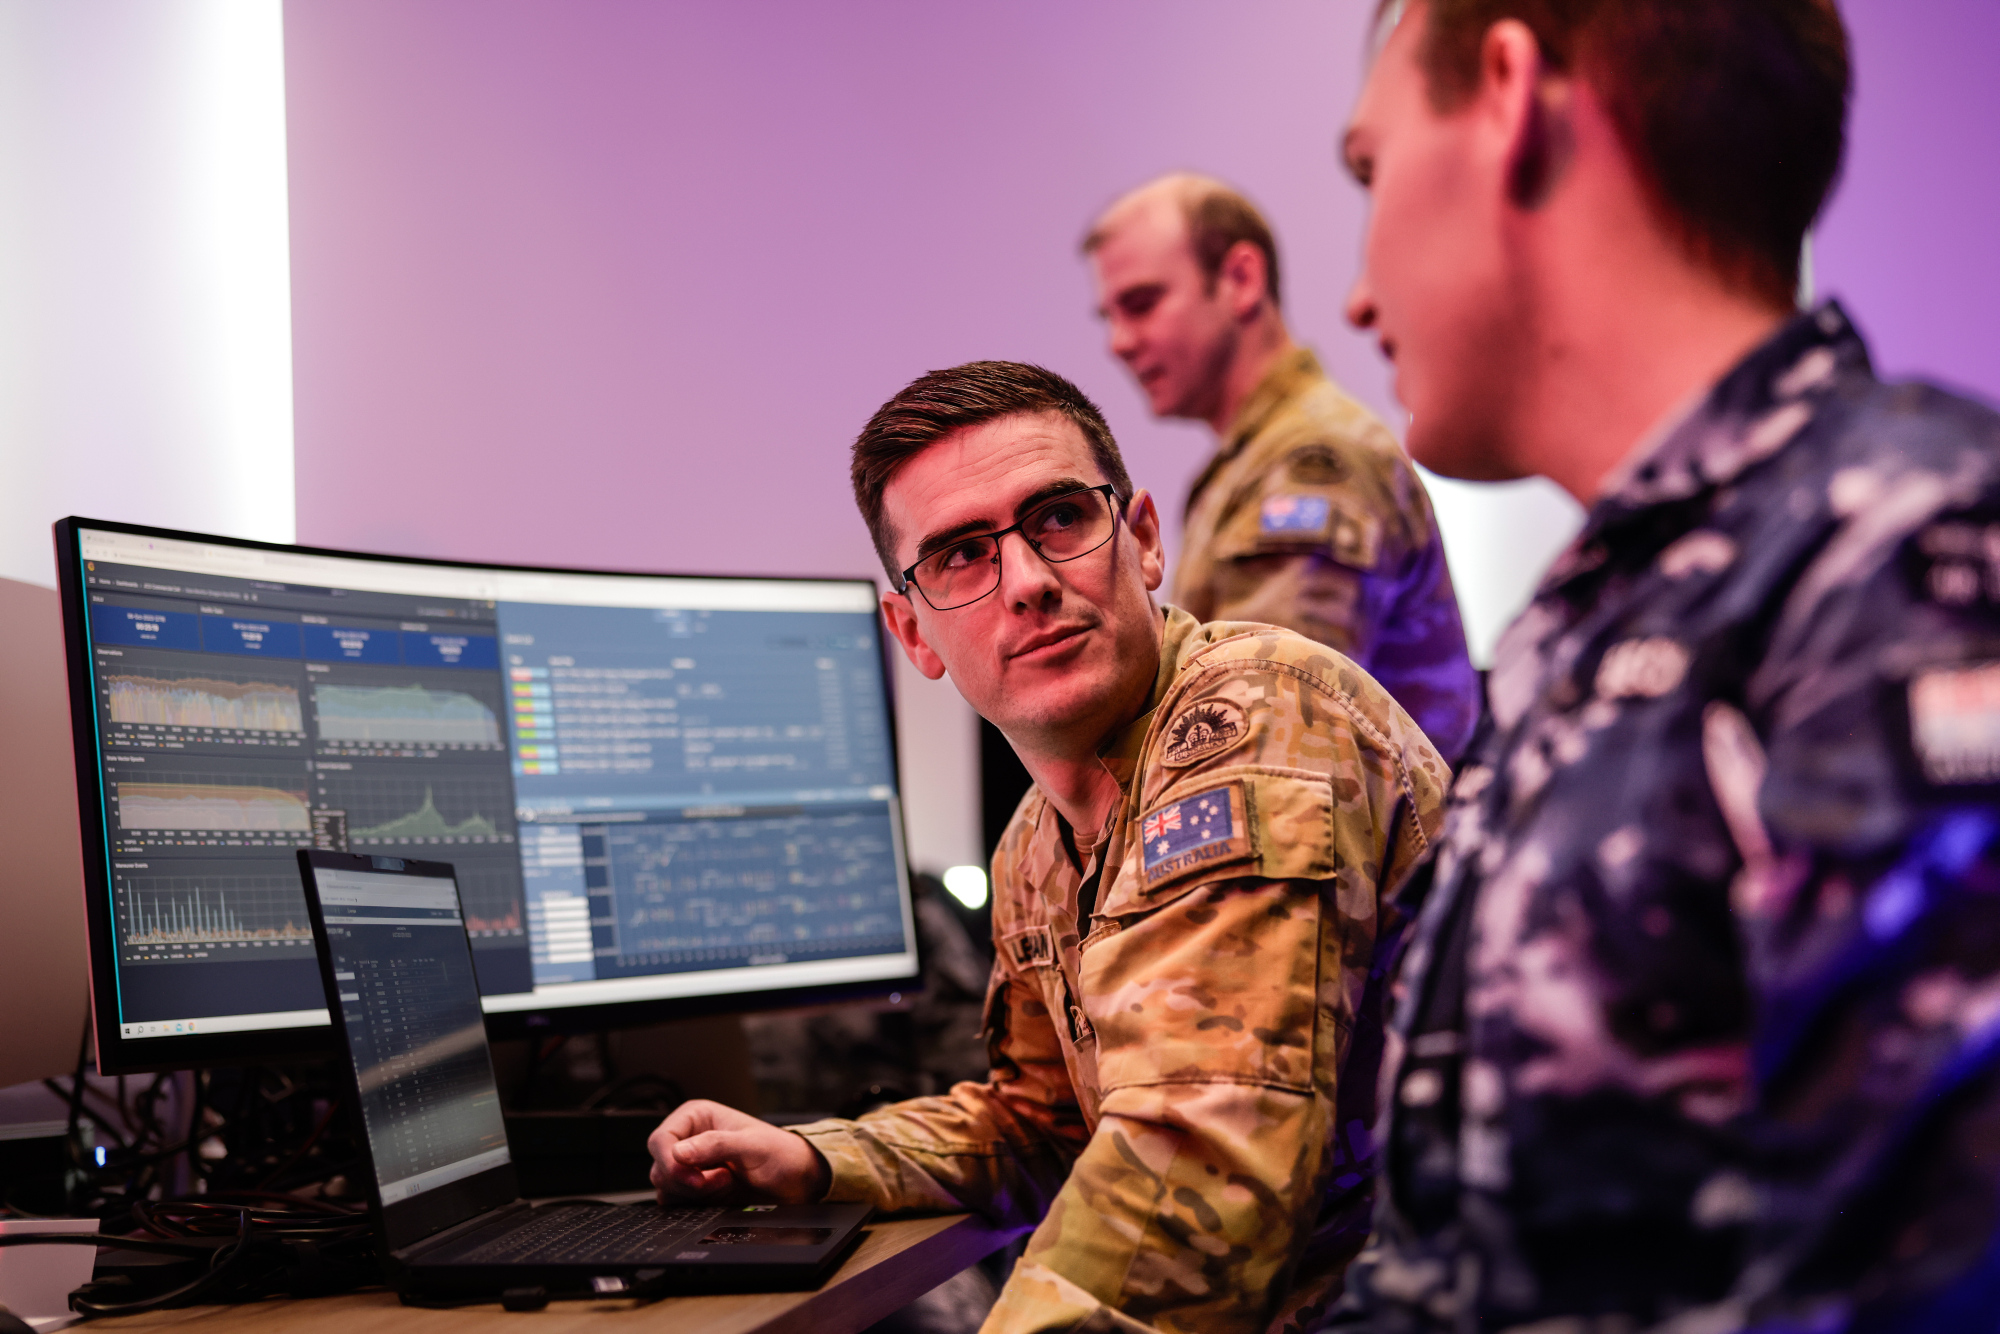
column 1750, row 415
column 1720, row 437
column 1121, row 753
column 1290, row 375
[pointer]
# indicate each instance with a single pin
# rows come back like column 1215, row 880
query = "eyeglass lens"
column 1062, row 529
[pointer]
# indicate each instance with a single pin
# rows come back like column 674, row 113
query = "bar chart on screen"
column 166, row 916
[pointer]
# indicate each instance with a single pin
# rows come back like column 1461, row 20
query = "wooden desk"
column 897, row 1261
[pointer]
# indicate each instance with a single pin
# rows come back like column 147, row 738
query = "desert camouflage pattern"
column 1310, row 516
column 1699, row 1028
column 1169, row 1020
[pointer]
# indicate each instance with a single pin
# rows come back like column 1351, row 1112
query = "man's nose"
column 1026, row 580
column 1361, row 304
column 1124, row 339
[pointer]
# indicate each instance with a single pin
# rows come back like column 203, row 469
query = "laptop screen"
column 410, row 1005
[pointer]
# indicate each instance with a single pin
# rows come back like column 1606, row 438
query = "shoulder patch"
column 1192, row 833
column 1202, row 730
column 1315, row 465
column 1955, row 723
column 1293, row 515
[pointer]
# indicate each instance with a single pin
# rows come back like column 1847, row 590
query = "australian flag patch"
column 1194, row 832
column 1294, row 515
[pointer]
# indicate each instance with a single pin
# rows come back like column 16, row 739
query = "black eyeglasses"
column 1073, row 524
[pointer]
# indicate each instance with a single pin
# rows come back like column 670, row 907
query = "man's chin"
column 1463, row 455
column 1056, row 703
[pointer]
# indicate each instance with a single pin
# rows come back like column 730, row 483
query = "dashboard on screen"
column 653, row 789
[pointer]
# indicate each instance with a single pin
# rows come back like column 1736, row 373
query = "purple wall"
column 616, row 283
column 1909, row 242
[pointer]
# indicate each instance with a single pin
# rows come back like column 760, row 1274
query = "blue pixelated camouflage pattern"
column 1699, row 1025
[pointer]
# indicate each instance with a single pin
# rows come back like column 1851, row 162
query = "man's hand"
column 705, row 1151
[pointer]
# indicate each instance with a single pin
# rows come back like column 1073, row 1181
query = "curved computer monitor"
column 662, row 795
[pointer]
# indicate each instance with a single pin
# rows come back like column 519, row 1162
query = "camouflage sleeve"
column 1000, row 1149
column 1187, row 1208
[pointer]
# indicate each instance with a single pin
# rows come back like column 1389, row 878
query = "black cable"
column 219, row 1264
column 193, row 1227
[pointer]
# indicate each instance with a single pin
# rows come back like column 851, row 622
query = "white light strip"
column 145, row 279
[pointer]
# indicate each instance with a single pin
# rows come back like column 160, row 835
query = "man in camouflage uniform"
column 1181, row 1023
column 1699, row 1026
column 1309, row 515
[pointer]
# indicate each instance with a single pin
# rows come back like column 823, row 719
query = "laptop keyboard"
column 580, row 1234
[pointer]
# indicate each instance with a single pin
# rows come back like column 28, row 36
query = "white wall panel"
column 145, row 310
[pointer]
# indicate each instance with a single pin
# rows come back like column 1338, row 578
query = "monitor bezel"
column 118, row 1054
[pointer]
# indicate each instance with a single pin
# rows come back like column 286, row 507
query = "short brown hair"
column 1733, row 111
column 1218, row 218
column 932, row 406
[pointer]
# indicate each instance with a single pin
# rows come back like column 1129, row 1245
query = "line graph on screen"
column 406, row 713
column 206, row 803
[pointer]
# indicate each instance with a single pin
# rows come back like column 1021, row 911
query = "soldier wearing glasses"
column 1182, row 1025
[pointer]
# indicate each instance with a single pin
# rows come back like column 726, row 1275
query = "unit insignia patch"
column 1202, row 730
column 1315, row 465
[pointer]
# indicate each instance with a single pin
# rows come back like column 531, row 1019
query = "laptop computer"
column 447, row 1211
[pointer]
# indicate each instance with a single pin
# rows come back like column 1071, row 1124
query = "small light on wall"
column 967, row 884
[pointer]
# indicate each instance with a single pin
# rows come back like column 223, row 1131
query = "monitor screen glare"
column 651, row 788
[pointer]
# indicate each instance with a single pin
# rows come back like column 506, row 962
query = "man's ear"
column 1524, row 106
column 1143, row 518
column 902, row 619
column 1245, row 279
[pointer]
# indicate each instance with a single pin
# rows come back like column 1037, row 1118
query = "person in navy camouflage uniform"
column 1697, row 1029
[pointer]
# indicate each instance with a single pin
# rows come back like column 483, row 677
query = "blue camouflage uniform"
column 1698, row 1027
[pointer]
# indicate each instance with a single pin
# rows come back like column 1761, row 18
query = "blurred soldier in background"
column 1699, row 1029
column 1309, row 515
